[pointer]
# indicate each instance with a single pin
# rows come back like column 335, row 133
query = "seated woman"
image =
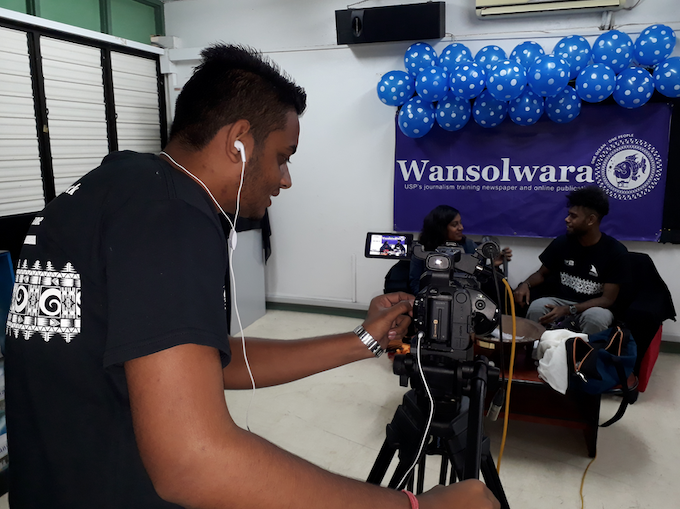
column 443, row 224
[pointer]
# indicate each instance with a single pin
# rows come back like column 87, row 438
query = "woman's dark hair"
column 592, row 198
column 230, row 84
column 434, row 232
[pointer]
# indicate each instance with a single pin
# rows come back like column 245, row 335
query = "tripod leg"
column 381, row 464
column 491, row 478
column 399, row 474
column 421, row 474
column 444, row 468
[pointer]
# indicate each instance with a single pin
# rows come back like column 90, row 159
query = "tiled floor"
column 337, row 420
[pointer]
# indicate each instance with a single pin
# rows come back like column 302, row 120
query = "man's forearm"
column 255, row 474
column 275, row 361
column 534, row 280
column 599, row 302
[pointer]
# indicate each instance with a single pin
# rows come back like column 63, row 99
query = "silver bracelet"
column 369, row 341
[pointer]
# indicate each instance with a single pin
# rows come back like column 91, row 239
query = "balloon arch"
column 451, row 88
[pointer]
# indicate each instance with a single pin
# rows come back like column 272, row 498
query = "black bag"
column 602, row 364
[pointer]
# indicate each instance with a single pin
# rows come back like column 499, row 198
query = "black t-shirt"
column 129, row 261
column 582, row 270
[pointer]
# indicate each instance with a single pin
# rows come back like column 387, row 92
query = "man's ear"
column 237, row 132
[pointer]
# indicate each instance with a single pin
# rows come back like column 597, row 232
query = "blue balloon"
column 614, row 49
column 395, row 88
column 526, row 53
column 548, row 75
column 654, row 45
column 595, row 83
column 527, row 108
column 432, row 83
column 667, row 77
column 418, row 57
column 506, row 80
column 453, row 55
column 487, row 111
column 489, row 56
column 416, row 117
column 453, row 113
column 467, row 80
column 634, row 87
column 563, row 107
column 575, row 51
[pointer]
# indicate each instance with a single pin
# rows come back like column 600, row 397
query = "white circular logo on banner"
column 627, row 168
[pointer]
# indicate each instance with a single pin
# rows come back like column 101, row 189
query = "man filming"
column 590, row 265
column 120, row 402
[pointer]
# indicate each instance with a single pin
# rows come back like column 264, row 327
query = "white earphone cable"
column 426, row 432
column 232, row 247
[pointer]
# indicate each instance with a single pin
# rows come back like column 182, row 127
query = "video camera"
column 450, row 307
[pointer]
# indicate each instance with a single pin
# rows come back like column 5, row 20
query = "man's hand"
column 388, row 317
column 555, row 313
column 522, row 294
column 470, row 494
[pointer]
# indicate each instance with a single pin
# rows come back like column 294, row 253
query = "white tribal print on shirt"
column 45, row 301
column 581, row 285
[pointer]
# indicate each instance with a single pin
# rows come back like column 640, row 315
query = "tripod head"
column 448, row 379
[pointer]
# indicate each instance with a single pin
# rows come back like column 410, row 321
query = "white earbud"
column 239, row 146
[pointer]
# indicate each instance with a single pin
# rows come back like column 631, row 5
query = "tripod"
column 455, row 433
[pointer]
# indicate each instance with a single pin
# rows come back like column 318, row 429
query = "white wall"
column 343, row 171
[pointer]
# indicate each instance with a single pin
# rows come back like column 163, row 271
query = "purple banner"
column 513, row 180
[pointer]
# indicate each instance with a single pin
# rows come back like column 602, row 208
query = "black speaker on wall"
column 393, row 23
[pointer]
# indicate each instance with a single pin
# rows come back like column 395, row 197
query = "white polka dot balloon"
column 395, row 88
column 467, row 80
column 526, row 53
column 563, row 107
column 432, row 83
column 595, row 83
column 487, row 111
column 418, row 57
column 527, row 108
column 667, row 77
column 416, row 118
column 489, row 56
column 576, row 51
column 453, row 113
column 548, row 75
column 614, row 49
column 634, row 87
column 654, row 45
column 453, row 55
column 506, row 80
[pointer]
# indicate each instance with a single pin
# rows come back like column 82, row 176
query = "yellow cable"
column 583, row 480
column 510, row 372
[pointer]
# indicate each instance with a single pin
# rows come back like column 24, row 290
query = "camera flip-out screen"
column 388, row 245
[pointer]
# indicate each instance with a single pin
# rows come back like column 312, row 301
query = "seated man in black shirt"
column 590, row 264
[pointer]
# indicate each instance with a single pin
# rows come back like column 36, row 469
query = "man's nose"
column 286, row 181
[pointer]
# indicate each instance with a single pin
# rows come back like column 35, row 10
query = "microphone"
column 490, row 247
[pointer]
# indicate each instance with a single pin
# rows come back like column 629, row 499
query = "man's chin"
column 254, row 215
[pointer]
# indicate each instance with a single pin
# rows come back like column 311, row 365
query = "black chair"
column 396, row 279
column 644, row 303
